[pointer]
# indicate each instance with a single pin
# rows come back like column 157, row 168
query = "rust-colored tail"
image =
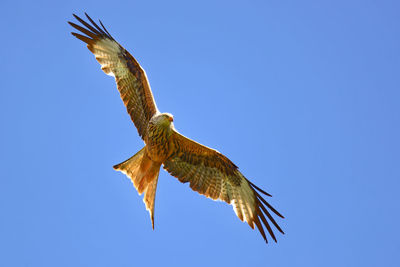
column 144, row 176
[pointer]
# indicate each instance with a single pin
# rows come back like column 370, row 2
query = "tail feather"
column 149, row 198
column 131, row 166
column 143, row 173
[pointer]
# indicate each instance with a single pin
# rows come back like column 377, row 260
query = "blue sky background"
column 302, row 95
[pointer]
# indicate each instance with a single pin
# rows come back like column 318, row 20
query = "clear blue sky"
column 304, row 96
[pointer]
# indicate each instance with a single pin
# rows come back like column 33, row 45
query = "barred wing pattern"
column 212, row 174
column 131, row 79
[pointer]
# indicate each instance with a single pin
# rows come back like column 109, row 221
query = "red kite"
column 208, row 172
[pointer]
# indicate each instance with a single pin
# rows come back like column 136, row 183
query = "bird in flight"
column 208, row 172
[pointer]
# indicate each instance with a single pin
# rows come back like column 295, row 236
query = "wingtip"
column 278, row 213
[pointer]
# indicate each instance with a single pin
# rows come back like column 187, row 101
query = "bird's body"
column 158, row 135
column 206, row 170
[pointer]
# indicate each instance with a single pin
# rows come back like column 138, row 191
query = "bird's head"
column 168, row 117
column 164, row 119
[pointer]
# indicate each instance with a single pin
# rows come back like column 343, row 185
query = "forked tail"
column 144, row 176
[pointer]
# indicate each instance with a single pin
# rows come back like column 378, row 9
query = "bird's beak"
column 171, row 119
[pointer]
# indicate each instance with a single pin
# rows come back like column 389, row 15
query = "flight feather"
column 116, row 61
column 212, row 174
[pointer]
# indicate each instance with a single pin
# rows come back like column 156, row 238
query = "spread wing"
column 131, row 79
column 212, row 174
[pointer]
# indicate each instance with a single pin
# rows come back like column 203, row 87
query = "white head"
column 163, row 119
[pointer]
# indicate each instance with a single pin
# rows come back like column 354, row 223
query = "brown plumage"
column 208, row 172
